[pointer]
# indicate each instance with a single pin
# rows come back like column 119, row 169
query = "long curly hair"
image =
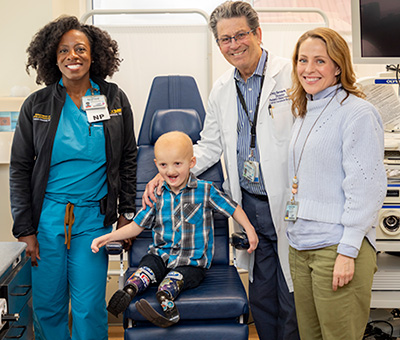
column 42, row 51
column 339, row 52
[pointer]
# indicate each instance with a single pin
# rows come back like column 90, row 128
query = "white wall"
column 19, row 21
column 150, row 51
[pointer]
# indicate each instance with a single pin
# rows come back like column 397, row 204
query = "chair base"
column 215, row 331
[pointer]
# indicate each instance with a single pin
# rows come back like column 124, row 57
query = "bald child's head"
column 174, row 158
column 174, row 140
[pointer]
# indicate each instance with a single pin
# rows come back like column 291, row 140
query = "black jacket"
column 33, row 144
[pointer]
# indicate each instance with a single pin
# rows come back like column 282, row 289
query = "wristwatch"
column 129, row 216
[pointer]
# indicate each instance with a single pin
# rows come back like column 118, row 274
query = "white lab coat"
column 219, row 136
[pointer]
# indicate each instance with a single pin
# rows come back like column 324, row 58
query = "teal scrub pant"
column 76, row 275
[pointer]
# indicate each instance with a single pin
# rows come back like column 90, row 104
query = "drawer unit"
column 22, row 329
column 17, row 287
column 15, row 292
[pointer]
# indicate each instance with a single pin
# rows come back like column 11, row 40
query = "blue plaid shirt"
column 183, row 224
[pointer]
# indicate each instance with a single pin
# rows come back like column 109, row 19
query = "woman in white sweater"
column 339, row 184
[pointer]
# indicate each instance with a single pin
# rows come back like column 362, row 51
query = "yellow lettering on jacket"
column 116, row 112
column 40, row 116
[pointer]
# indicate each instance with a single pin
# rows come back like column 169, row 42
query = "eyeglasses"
column 238, row 37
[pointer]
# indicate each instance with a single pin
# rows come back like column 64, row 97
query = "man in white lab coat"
column 257, row 176
column 249, row 122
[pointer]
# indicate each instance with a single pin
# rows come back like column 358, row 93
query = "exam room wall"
column 19, row 21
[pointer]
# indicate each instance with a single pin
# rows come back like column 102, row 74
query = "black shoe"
column 121, row 300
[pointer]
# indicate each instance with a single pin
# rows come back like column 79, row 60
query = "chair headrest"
column 185, row 120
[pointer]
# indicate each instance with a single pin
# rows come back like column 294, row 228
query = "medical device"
column 374, row 28
column 116, row 248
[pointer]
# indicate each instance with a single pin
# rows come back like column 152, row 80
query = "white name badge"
column 96, row 108
column 291, row 210
column 251, row 171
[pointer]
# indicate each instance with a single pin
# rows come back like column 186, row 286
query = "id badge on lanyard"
column 251, row 168
column 251, row 171
column 292, row 208
column 96, row 108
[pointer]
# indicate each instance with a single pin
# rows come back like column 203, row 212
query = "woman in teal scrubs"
column 72, row 175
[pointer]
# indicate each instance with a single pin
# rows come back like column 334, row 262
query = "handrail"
column 295, row 9
column 93, row 12
column 204, row 14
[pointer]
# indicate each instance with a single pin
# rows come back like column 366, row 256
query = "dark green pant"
column 321, row 312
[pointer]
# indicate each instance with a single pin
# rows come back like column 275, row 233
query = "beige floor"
column 117, row 333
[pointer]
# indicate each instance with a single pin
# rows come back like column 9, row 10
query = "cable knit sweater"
column 341, row 176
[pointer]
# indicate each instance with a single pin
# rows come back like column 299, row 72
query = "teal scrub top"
column 78, row 162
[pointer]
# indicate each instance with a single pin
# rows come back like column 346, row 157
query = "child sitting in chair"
column 182, row 223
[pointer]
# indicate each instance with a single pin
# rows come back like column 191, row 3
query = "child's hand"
column 253, row 239
column 98, row 243
column 240, row 217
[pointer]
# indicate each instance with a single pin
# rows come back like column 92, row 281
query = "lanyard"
column 253, row 123
column 296, row 168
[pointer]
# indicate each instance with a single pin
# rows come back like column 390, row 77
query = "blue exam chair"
column 218, row 308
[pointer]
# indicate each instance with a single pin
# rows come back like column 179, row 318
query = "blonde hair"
column 339, row 52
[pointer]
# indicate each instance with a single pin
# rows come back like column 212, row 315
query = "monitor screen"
column 376, row 34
